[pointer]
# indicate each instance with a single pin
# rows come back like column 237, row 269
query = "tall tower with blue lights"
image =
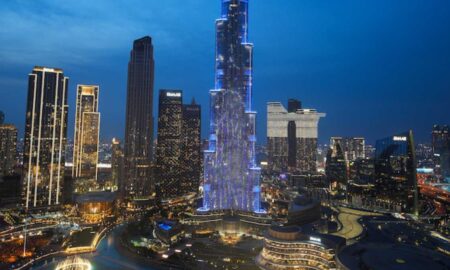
column 231, row 176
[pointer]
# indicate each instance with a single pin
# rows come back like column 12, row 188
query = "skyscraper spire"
column 231, row 177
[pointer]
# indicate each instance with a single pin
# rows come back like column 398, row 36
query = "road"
column 351, row 228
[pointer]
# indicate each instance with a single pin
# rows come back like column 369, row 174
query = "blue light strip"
column 231, row 178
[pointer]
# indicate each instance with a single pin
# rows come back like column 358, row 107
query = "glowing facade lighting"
column 45, row 136
column 86, row 132
column 231, row 175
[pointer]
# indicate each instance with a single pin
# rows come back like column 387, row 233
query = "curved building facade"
column 95, row 207
column 286, row 248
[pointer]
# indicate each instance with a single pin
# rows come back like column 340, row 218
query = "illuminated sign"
column 173, row 94
column 315, row 239
column 400, row 138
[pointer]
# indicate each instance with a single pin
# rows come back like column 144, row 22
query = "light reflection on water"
column 106, row 257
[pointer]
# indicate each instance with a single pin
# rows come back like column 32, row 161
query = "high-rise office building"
column 8, row 148
column 362, row 171
column 440, row 138
column 191, row 157
column 395, row 172
column 336, row 167
column 292, row 137
column 139, row 120
column 352, row 147
column 169, row 144
column 86, row 133
column 231, row 175
column 45, row 136
column 117, row 172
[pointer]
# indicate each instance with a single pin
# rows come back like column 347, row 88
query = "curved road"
column 351, row 228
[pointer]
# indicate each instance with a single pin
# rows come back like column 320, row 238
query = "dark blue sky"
column 375, row 67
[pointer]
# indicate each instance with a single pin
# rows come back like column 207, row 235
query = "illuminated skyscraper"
column 292, row 137
column 231, row 176
column 139, row 119
column 191, row 158
column 86, row 133
column 45, row 136
column 8, row 148
column 169, row 145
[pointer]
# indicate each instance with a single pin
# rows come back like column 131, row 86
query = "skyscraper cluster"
column 132, row 168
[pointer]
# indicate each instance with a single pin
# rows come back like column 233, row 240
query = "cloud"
column 78, row 32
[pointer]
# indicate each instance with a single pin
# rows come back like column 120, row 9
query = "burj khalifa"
column 231, row 175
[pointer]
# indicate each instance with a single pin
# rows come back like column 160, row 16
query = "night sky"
column 375, row 67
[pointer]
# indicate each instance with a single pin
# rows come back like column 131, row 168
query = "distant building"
column 8, row 149
column 191, row 154
column 292, row 137
column 440, row 139
column 139, row 120
column 336, row 168
column 395, row 172
column 86, row 133
column 169, row 146
column 45, row 136
column 352, row 147
column 362, row 171
column 369, row 151
column 117, row 164
column 2, row 117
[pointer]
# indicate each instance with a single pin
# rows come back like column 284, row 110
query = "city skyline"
column 305, row 155
column 416, row 70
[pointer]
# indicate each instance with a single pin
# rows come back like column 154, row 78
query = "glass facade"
column 231, row 176
column 395, row 170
